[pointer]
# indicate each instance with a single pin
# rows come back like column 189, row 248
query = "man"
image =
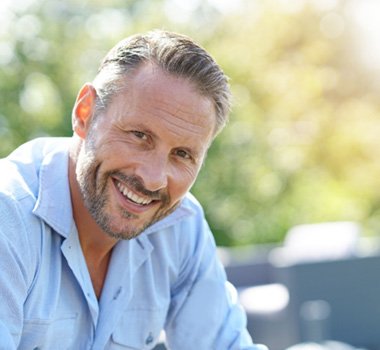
column 101, row 244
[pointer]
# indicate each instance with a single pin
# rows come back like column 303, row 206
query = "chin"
column 127, row 231
column 122, row 235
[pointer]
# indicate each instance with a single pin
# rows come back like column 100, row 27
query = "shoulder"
column 193, row 204
column 10, row 213
column 18, row 249
column 195, row 223
column 19, row 177
column 19, row 190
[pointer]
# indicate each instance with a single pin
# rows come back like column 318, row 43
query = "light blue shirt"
column 167, row 278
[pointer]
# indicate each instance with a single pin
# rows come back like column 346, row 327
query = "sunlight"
column 366, row 15
column 13, row 5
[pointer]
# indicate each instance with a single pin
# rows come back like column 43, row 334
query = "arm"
column 204, row 312
column 14, row 270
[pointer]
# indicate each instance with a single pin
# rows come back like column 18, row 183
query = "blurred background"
column 302, row 143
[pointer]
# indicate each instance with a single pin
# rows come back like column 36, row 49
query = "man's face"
column 140, row 156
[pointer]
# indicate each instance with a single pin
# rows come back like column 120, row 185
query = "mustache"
column 137, row 185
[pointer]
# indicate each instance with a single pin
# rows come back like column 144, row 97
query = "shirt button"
column 117, row 293
column 150, row 339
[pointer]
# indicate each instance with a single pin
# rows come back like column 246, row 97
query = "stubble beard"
column 94, row 188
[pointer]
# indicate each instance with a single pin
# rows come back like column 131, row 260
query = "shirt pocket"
column 46, row 334
column 138, row 330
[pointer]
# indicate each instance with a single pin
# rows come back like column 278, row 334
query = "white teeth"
column 132, row 196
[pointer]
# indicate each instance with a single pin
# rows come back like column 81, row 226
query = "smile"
column 133, row 197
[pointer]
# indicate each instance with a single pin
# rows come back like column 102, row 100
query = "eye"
column 141, row 135
column 183, row 154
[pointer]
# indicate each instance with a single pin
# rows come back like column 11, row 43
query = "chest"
column 62, row 306
column 98, row 275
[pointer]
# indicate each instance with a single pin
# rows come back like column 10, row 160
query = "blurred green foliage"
column 302, row 142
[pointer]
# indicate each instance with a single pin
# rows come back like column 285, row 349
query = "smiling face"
column 141, row 155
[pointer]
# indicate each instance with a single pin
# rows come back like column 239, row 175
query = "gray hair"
column 175, row 54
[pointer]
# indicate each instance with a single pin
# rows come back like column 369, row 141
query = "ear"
column 83, row 109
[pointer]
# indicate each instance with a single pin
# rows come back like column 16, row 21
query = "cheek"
column 111, row 154
column 86, row 160
column 181, row 183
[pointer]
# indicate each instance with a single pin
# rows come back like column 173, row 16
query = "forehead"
column 154, row 96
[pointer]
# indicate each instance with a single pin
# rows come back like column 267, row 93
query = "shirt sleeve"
column 14, row 273
column 204, row 313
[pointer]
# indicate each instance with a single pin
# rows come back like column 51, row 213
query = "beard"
column 94, row 187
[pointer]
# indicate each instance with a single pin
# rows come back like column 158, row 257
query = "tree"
column 301, row 144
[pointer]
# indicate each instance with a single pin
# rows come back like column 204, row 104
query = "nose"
column 153, row 171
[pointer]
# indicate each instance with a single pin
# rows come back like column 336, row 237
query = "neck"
column 95, row 243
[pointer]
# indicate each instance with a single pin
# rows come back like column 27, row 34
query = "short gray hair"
column 174, row 53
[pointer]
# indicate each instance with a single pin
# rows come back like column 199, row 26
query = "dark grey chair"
column 351, row 289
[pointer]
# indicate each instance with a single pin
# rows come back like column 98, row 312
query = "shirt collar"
column 184, row 210
column 53, row 203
